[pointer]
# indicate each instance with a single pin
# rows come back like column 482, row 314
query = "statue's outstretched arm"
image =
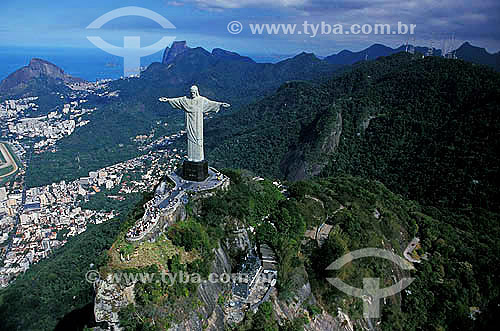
column 177, row 103
column 214, row 106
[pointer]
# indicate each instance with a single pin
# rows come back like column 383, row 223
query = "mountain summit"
column 36, row 69
column 179, row 48
column 480, row 55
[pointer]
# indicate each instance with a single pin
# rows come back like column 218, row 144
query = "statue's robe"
column 194, row 109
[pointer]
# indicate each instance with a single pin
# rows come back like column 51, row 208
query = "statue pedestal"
column 195, row 171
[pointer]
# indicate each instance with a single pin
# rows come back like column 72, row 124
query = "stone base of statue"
column 195, row 171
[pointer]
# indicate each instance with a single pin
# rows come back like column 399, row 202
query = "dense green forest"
column 459, row 274
column 461, row 271
column 430, row 130
column 259, row 136
column 427, row 128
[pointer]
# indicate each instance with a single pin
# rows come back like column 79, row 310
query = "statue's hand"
column 225, row 105
column 163, row 99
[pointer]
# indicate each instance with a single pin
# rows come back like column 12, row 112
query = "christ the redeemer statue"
column 195, row 107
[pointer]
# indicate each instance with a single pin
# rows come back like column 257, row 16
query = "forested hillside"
column 427, row 128
column 430, row 130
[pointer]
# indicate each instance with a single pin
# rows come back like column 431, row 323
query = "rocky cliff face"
column 328, row 145
column 178, row 47
column 310, row 157
column 288, row 310
column 209, row 316
column 111, row 297
column 294, row 309
column 37, row 68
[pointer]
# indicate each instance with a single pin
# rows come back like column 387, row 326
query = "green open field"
column 14, row 156
column 4, row 171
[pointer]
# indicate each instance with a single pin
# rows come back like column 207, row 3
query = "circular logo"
column 234, row 27
column 92, row 276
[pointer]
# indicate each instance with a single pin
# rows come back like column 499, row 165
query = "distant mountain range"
column 479, row 55
column 373, row 52
column 222, row 74
column 240, row 79
column 199, row 65
column 465, row 52
column 346, row 57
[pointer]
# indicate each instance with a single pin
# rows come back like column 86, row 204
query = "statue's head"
column 194, row 91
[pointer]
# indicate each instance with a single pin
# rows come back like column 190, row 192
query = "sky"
column 204, row 23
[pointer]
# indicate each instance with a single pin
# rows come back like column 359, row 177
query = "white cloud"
column 175, row 3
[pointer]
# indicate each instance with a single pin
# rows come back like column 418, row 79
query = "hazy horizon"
column 91, row 63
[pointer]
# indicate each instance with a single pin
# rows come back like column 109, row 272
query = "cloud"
column 228, row 4
column 436, row 20
column 482, row 11
column 175, row 3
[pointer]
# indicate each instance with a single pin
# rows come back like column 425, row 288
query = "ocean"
column 87, row 63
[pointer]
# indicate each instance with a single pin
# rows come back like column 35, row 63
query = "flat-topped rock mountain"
column 180, row 47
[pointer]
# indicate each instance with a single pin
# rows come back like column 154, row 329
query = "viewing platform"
column 167, row 206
